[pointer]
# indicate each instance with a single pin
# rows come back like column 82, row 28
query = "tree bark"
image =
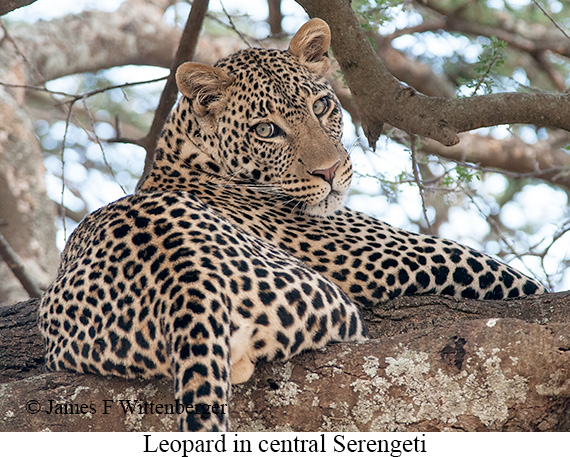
column 434, row 363
column 22, row 348
column 26, row 213
column 381, row 98
column 10, row 5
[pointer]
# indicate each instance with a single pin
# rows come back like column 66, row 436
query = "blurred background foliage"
column 467, row 46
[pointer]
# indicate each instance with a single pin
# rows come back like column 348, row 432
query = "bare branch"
column 233, row 26
column 524, row 38
column 540, row 7
column 98, row 141
column 383, row 99
column 17, row 267
column 30, row 65
column 75, row 97
column 275, row 17
column 75, row 216
column 419, row 183
column 184, row 53
column 62, row 202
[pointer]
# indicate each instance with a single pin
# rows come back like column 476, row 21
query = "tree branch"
column 18, row 268
column 541, row 160
column 90, row 41
column 275, row 17
column 530, row 39
column 184, row 53
column 564, row 32
column 10, row 5
column 382, row 99
column 498, row 373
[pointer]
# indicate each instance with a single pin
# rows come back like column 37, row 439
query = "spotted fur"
column 237, row 246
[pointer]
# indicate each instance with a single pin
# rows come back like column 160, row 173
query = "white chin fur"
column 328, row 206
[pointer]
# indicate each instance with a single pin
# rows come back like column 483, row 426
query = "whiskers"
column 272, row 195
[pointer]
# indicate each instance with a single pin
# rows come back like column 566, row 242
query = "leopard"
column 237, row 246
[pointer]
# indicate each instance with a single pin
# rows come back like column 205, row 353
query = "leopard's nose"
column 327, row 174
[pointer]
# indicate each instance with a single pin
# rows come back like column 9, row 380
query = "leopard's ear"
column 310, row 45
column 202, row 84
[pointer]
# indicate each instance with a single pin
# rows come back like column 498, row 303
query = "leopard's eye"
column 321, row 106
column 266, row 130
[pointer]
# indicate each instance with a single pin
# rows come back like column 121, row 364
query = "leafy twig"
column 487, row 63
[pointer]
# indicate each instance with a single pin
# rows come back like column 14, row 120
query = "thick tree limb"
column 23, row 196
column 10, row 5
column 383, row 99
column 93, row 40
column 481, row 374
column 20, row 337
column 476, row 375
column 436, row 364
column 22, row 349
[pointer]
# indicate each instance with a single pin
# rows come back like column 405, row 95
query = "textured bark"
column 463, row 365
column 94, row 40
column 22, row 349
column 26, row 213
column 436, row 363
column 481, row 375
column 10, row 5
column 381, row 98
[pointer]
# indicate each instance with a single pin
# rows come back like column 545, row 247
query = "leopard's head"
column 269, row 119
